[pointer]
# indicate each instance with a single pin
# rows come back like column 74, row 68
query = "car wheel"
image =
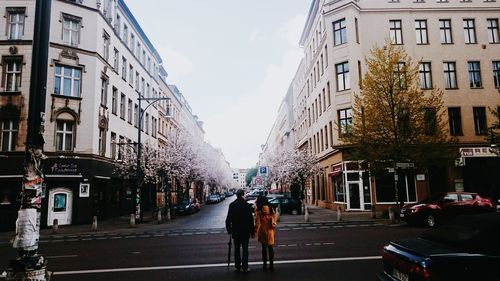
column 431, row 220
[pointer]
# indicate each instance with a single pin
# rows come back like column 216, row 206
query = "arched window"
column 65, row 132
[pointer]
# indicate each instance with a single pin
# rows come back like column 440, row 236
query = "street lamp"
column 137, row 191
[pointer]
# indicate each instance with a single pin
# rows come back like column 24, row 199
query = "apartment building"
column 457, row 45
column 100, row 63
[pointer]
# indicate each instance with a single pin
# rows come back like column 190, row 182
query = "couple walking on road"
column 241, row 225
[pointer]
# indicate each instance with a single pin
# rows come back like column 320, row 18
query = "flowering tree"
column 126, row 166
column 293, row 168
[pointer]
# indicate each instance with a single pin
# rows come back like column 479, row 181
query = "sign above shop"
column 476, row 152
column 64, row 168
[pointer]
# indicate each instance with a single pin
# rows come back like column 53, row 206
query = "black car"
column 186, row 207
column 467, row 248
column 288, row 205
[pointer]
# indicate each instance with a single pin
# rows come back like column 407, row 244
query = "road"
column 195, row 248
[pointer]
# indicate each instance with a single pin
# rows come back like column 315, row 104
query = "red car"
column 443, row 206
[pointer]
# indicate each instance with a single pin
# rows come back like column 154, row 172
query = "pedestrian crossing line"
column 211, row 265
column 115, row 237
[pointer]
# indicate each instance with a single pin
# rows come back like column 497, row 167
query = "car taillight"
column 420, row 271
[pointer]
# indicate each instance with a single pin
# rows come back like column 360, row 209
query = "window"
column 147, row 123
column 345, row 121
column 496, row 73
column 106, row 40
column 116, row 62
column 118, row 23
column 12, row 69
column 122, row 106
column 136, row 115
column 67, row 81
column 102, row 142
column 469, row 31
column 400, row 74
column 339, row 32
column 445, row 31
column 129, row 113
column 493, row 32
column 120, row 147
column 450, row 75
column 64, row 135
column 137, row 81
column 421, row 32
column 455, row 119
column 343, row 80
column 125, row 34
column 114, row 101
column 15, row 22
column 396, row 33
column 480, row 120
column 425, row 75
column 153, row 129
column 124, row 68
column 474, row 74
column 328, row 93
column 104, row 91
column 71, row 30
column 112, row 147
column 9, row 135
column 430, row 119
column 132, row 43
column 131, row 74
column 143, row 86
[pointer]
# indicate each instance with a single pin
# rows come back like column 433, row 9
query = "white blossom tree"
column 293, row 168
column 126, row 166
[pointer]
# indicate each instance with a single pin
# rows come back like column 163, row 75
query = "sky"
column 233, row 60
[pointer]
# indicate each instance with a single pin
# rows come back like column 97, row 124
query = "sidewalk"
column 121, row 225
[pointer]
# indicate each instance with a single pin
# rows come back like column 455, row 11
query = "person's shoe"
column 245, row 270
column 237, row 270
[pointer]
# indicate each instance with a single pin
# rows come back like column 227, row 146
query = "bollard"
column 339, row 213
column 392, row 220
column 159, row 216
column 94, row 223
column 306, row 214
column 168, row 215
column 55, row 226
column 132, row 220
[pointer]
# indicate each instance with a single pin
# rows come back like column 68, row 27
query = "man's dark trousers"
column 241, row 259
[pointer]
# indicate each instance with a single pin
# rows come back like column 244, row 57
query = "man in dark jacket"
column 239, row 224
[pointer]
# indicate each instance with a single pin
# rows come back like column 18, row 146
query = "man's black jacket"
column 239, row 221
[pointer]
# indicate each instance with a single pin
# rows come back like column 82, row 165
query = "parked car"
column 498, row 205
column 187, row 206
column 288, row 205
column 466, row 248
column 212, row 199
column 444, row 206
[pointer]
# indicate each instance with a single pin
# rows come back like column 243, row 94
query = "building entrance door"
column 60, row 206
column 354, row 202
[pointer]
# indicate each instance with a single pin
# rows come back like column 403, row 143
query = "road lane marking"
column 62, row 256
column 211, row 265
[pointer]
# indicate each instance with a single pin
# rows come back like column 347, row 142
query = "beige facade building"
column 100, row 63
column 457, row 46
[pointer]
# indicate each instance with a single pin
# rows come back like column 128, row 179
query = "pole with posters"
column 30, row 265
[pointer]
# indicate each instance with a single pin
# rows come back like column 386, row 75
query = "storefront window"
column 338, row 188
column 385, row 184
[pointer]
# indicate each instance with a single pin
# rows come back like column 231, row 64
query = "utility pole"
column 29, row 265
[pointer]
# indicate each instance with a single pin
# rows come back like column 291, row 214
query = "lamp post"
column 137, row 191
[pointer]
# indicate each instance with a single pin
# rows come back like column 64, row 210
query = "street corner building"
column 457, row 47
column 100, row 63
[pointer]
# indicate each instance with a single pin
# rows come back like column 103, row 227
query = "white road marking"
column 61, row 257
column 191, row 266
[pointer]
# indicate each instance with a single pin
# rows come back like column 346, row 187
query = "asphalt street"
column 195, row 248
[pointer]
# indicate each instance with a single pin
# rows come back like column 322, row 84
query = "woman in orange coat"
column 265, row 224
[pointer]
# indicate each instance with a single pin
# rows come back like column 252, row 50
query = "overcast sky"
column 233, row 60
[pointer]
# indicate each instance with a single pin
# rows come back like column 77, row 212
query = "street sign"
column 263, row 171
